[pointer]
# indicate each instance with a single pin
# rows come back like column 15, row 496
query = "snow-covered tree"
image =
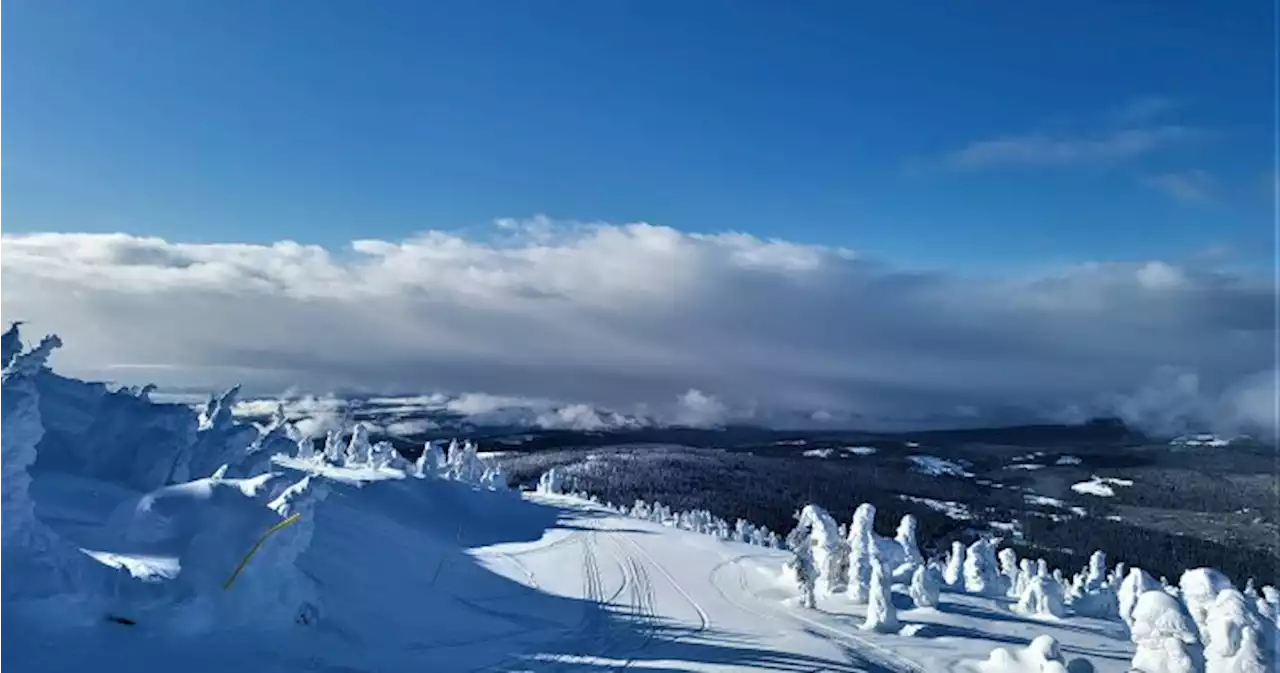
column 1042, row 599
column 1025, row 572
column 954, row 573
column 907, row 539
column 981, row 570
column 333, row 447
column 1042, row 655
column 358, row 448
column 801, row 566
column 1095, row 575
column 1008, row 559
column 430, row 462
column 1136, row 583
column 551, row 482
column 1235, row 642
column 924, row 587
column 1164, row 636
column 830, row 555
column 881, row 614
column 1199, row 589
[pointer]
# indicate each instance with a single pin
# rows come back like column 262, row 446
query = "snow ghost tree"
column 1025, row 573
column 862, row 549
column 430, row 462
column 551, row 482
column 1164, row 636
column 830, row 555
column 906, row 537
column 1235, row 636
column 1199, row 588
column 954, row 573
column 1136, row 583
column 1008, row 559
column 46, row 563
column 924, row 587
column 358, row 449
column 881, row 615
column 1042, row 599
column 981, row 574
column 801, row 566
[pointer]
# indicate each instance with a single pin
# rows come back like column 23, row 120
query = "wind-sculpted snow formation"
column 206, row 487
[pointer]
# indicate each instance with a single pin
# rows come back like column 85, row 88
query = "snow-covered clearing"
column 937, row 467
column 819, row 453
column 956, row 510
column 1101, row 487
column 1033, row 499
column 860, row 450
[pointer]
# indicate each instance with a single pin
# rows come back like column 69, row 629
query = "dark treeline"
column 768, row 490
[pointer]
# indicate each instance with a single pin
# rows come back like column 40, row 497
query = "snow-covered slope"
column 127, row 525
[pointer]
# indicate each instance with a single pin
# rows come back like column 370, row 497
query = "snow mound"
column 1042, row 655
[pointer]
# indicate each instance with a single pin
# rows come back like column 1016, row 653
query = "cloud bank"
column 704, row 328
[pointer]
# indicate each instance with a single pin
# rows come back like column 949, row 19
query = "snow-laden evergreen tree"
column 1042, row 599
column 829, row 552
column 1199, row 588
column 551, row 482
column 801, row 566
column 1025, row 572
column 1136, row 583
column 430, row 462
column 1164, row 636
column 1236, row 636
column 1095, row 575
column 924, row 586
column 1008, row 559
column 954, row 574
column 333, row 447
column 357, row 452
column 861, row 545
column 981, row 569
column 907, row 538
column 881, row 614
column 743, row 531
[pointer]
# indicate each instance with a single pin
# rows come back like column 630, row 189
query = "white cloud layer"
column 705, row 329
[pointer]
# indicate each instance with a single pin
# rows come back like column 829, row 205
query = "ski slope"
column 411, row 573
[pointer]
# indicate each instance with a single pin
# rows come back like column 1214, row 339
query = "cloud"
column 1049, row 150
column 640, row 319
column 1188, row 186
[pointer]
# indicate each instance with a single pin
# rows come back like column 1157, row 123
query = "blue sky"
column 961, row 135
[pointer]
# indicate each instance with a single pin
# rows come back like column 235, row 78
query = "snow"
column 860, row 450
column 1067, row 460
column 1100, row 486
column 115, row 561
column 938, row 467
column 955, row 510
column 1025, row 466
column 819, row 453
column 1033, row 499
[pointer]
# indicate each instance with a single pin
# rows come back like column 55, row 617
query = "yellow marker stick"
column 245, row 561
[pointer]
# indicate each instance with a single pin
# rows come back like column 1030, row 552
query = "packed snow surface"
column 1100, row 486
